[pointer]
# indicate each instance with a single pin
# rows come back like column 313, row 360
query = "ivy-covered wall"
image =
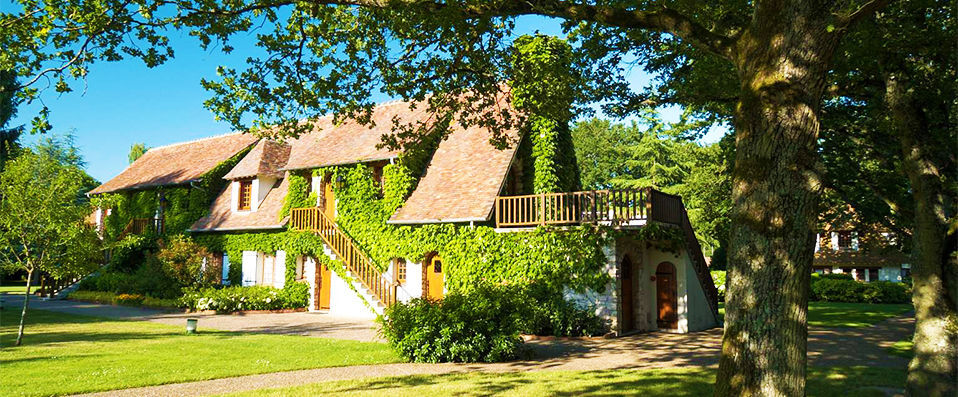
column 472, row 255
column 185, row 204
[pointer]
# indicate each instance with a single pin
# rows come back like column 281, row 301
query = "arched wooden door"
column 432, row 277
column 666, row 300
column 323, row 285
column 628, row 312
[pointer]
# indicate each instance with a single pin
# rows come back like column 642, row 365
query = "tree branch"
column 663, row 19
column 865, row 10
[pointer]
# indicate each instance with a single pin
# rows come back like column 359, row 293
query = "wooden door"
column 329, row 198
column 324, row 283
column 433, row 277
column 628, row 313
column 666, row 300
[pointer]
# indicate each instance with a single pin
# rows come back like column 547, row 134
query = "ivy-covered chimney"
column 543, row 86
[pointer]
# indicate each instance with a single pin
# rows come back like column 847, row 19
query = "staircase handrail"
column 356, row 261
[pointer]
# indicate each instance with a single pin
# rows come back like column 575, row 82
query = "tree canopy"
column 42, row 217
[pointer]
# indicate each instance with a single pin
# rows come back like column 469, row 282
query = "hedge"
column 840, row 289
column 111, row 298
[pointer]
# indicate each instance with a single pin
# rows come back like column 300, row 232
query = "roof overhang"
column 428, row 221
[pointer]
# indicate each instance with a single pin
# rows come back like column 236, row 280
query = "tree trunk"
column 26, row 303
column 933, row 371
column 782, row 66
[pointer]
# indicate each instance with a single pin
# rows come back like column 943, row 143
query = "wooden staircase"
column 344, row 248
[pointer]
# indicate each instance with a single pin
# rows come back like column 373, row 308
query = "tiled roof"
column 351, row 142
column 177, row 164
column 221, row 217
column 461, row 182
column 266, row 158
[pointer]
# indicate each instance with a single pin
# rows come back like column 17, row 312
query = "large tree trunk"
column 933, row 371
column 782, row 66
column 26, row 303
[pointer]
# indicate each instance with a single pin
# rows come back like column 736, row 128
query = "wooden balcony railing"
column 140, row 226
column 363, row 268
column 598, row 206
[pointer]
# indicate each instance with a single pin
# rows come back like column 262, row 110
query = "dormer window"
column 245, row 197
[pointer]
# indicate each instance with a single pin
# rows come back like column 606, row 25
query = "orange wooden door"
column 329, row 198
column 434, row 277
column 325, row 282
column 628, row 313
column 666, row 300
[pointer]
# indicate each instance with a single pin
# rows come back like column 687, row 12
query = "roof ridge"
column 196, row 140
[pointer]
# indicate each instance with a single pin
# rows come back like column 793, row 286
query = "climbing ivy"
column 543, row 86
column 185, row 204
column 571, row 258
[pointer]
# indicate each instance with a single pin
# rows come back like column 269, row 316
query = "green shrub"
column 553, row 315
column 237, row 298
column 482, row 325
column 184, row 260
column 147, row 279
column 718, row 277
column 847, row 290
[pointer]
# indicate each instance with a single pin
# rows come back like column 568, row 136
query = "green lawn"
column 14, row 288
column 825, row 382
column 847, row 315
column 65, row 354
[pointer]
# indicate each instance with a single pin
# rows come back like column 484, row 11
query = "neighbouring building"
column 867, row 252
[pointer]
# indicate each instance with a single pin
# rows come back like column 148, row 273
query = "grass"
column 824, row 382
column 14, row 288
column 847, row 315
column 66, row 354
column 902, row 348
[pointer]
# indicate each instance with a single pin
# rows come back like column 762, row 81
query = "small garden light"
column 191, row 325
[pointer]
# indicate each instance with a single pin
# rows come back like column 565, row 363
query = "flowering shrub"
column 237, row 298
column 129, row 299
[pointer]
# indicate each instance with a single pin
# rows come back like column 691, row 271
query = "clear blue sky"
column 125, row 102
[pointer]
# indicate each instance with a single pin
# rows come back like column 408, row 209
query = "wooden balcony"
column 627, row 207
column 140, row 226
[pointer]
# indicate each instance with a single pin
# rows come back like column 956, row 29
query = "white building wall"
column 309, row 272
column 604, row 304
column 261, row 187
column 345, row 302
column 412, row 288
column 234, row 193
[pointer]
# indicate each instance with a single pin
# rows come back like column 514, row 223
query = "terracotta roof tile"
column 461, row 182
column 221, row 217
column 177, row 164
column 351, row 142
column 266, row 158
